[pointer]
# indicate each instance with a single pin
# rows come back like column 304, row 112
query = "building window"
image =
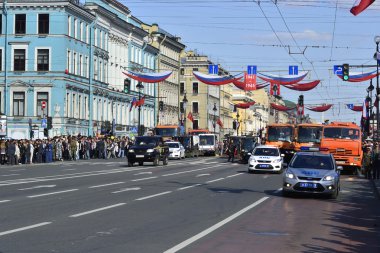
column 195, row 69
column 43, row 60
column 18, row 103
column 80, row 65
column 1, row 59
column 195, row 88
column 43, row 23
column 182, row 71
column 20, row 25
column 181, row 88
column 181, row 109
column 195, row 107
column 195, row 124
column 75, row 63
column 19, row 60
column 42, row 96
column 80, row 106
column 75, row 28
column 1, row 24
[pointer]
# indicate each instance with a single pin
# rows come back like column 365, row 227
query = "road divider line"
column 214, row 227
column 155, row 195
column 188, row 187
column 235, row 175
column 103, row 185
column 188, row 171
column 9, row 175
column 97, row 210
column 24, row 228
column 5, row 200
column 51, row 193
column 128, row 189
column 37, row 187
column 202, row 175
column 215, row 180
column 141, row 179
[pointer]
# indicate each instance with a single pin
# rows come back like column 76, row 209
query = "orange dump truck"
column 281, row 136
column 308, row 135
column 344, row 141
column 168, row 132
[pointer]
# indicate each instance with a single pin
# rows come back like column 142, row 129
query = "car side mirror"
column 282, row 155
column 285, row 165
column 339, row 168
column 249, row 154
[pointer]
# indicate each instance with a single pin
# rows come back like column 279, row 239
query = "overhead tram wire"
column 333, row 34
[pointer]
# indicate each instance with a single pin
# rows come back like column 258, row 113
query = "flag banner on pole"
column 359, row 76
column 190, row 117
column 361, row 5
column 250, row 81
column 355, row 108
column 300, row 110
column 303, row 86
column 319, row 108
column 275, row 89
column 133, row 103
column 148, row 77
column 140, row 102
column 241, row 85
column 214, row 80
column 281, row 108
column 220, row 123
column 283, row 79
column 244, row 105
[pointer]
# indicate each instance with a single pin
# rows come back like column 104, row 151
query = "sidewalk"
column 374, row 182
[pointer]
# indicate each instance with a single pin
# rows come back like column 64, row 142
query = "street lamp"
column 139, row 86
column 214, row 122
column 377, row 41
column 369, row 90
column 237, row 123
column 184, row 104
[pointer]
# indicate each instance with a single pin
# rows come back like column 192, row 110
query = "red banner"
column 275, row 89
column 250, row 81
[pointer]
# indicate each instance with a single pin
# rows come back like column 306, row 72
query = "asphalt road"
column 193, row 205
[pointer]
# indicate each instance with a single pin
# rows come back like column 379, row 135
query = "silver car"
column 312, row 172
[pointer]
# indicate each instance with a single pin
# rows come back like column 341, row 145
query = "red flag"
column 141, row 101
column 275, row 89
column 190, row 117
column 133, row 103
column 300, row 110
column 220, row 123
column 361, row 6
column 376, row 104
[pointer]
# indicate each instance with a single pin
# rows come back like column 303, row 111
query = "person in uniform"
column 367, row 163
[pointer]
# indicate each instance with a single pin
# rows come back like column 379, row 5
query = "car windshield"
column 266, row 152
column 167, row 131
column 248, row 143
column 146, row 141
column 341, row 133
column 280, row 134
column 173, row 145
column 312, row 162
column 309, row 134
column 206, row 140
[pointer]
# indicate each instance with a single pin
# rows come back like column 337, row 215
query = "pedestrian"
column 12, row 152
column 29, row 152
column 3, row 148
column 231, row 151
column 367, row 163
column 49, row 152
column 376, row 161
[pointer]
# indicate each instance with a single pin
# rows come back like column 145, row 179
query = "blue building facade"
column 68, row 57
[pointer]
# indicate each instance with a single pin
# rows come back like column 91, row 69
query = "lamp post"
column 237, row 123
column 184, row 104
column 369, row 90
column 214, row 122
column 377, row 41
column 139, row 86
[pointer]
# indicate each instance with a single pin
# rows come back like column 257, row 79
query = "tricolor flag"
column 190, row 117
column 220, row 123
column 361, row 5
column 140, row 102
column 133, row 103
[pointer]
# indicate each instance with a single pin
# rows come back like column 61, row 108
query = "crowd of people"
column 371, row 160
column 14, row 152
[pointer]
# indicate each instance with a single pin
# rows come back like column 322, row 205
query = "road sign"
column 44, row 123
column 213, row 69
column 250, row 82
column 252, row 70
column 338, row 70
column 134, row 129
column 43, row 104
column 293, row 70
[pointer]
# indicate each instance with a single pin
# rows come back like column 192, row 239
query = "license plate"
column 340, row 162
column 308, row 185
column 139, row 156
column 264, row 165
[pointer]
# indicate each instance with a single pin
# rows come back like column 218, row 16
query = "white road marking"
column 51, row 193
column 9, row 175
column 68, row 169
column 214, row 227
column 128, row 189
column 202, row 175
column 278, row 190
column 37, row 187
column 188, row 171
column 97, row 210
column 143, row 173
column 344, row 191
column 188, row 187
column 102, row 185
column 17, row 170
column 265, row 176
column 215, row 180
column 235, row 175
column 24, row 228
column 155, row 195
column 141, row 179
column 3, row 201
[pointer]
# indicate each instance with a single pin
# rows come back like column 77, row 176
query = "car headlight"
column 150, row 150
column 290, row 175
column 328, row 178
column 277, row 160
column 252, row 160
column 131, row 151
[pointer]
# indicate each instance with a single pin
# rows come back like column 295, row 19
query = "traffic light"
column 31, row 134
column 46, row 132
column 127, row 85
column 234, row 125
column 300, row 100
column 161, row 105
column 49, row 122
column 346, row 71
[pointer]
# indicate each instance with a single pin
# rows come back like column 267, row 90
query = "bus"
column 308, row 135
column 198, row 131
column 344, row 142
column 167, row 131
column 282, row 136
column 208, row 144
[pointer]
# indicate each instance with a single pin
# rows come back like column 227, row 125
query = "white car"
column 176, row 150
column 265, row 158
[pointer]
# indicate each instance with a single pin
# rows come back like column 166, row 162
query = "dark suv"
column 148, row 149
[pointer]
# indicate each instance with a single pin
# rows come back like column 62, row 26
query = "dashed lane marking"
column 154, row 195
column 51, row 193
column 142, row 179
column 103, row 185
column 128, row 189
column 24, row 228
column 188, row 187
column 96, row 210
column 5, row 200
column 215, row 180
column 9, row 175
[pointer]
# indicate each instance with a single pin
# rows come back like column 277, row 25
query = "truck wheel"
column 156, row 160
column 165, row 161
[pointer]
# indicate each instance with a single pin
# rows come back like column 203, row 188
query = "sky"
column 314, row 35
